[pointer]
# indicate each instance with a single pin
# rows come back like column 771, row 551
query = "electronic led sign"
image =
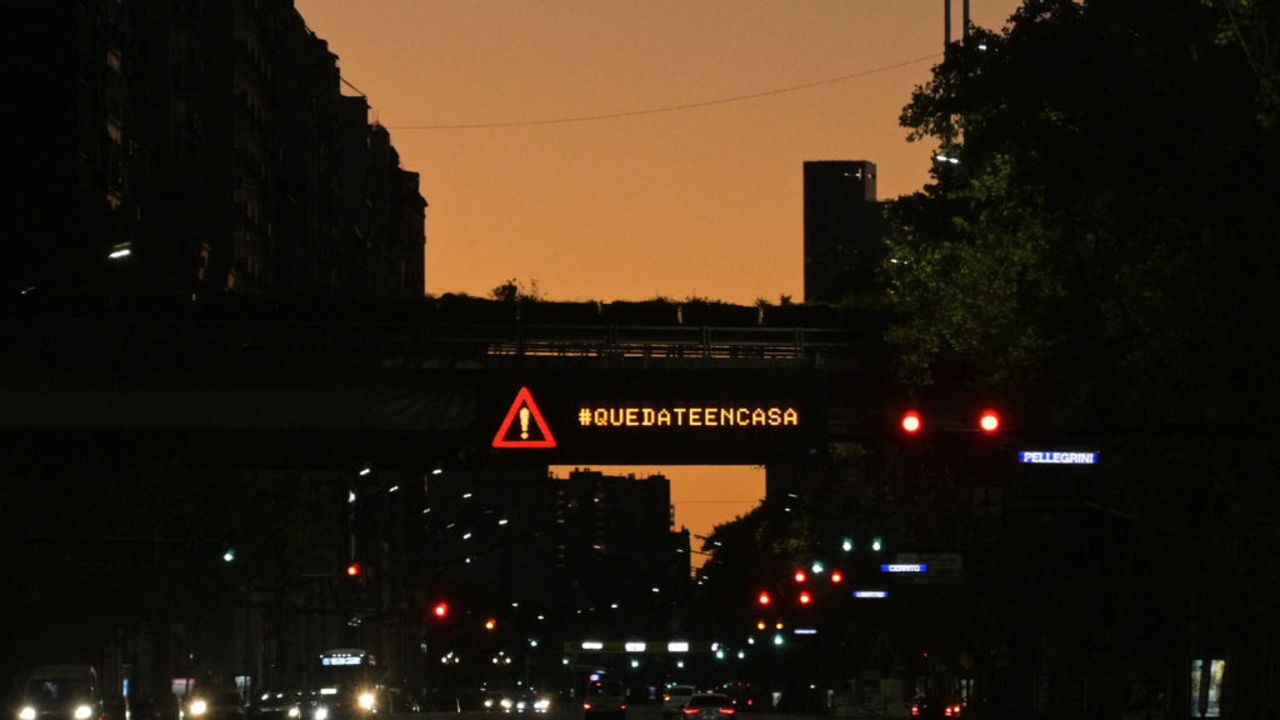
column 1056, row 457
column 526, row 410
column 904, row 568
column 635, row 416
column 702, row 416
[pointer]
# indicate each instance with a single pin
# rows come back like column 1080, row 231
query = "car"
column 931, row 709
column 215, row 704
column 61, row 692
column 708, row 706
column 675, row 698
column 281, row 704
column 605, row 699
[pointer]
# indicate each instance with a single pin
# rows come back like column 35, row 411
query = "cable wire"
column 671, row 108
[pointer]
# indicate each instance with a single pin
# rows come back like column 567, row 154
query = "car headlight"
column 83, row 712
column 198, row 708
column 506, row 704
column 520, row 705
column 366, row 701
column 27, row 713
column 321, row 713
column 295, row 711
column 542, row 704
column 488, row 702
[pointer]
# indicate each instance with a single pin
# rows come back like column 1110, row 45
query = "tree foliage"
column 1103, row 252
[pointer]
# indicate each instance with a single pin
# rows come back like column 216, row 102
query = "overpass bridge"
column 259, row 381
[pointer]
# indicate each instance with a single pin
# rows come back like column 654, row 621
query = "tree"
column 1102, row 256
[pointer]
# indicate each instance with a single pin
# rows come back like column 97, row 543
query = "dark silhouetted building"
column 196, row 145
column 842, row 229
column 618, row 541
column 584, row 549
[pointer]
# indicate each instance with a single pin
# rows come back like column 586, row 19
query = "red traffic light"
column 989, row 421
column 441, row 610
column 837, row 577
column 805, row 598
column 764, row 598
column 911, row 422
column 353, row 570
column 800, row 576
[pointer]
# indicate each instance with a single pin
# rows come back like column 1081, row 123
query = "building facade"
column 180, row 146
column 842, row 230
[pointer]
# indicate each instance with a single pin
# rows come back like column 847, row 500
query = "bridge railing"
column 382, row 342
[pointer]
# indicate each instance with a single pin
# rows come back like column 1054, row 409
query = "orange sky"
column 702, row 202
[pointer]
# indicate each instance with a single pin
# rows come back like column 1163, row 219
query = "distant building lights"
column 365, row 471
column 592, row 645
column 678, row 646
column 871, row 594
column 806, row 631
column 634, row 646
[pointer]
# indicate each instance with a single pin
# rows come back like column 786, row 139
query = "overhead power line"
column 672, row 108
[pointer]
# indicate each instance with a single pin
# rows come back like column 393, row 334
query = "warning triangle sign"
column 524, row 426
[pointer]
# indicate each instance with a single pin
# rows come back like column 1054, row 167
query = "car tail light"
column 586, row 706
column 750, row 702
column 915, row 711
column 727, row 711
column 691, row 711
column 947, row 711
column 955, row 710
column 666, row 698
column 624, row 706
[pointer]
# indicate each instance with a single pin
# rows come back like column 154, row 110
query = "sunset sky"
column 704, row 201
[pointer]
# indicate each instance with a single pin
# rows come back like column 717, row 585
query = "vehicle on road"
column 605, row 699
column 215, row 704
column 61, row 692
column 709, row 706
column 282, row 704
column 931, row 709
column 349, row 686
column 675, row 698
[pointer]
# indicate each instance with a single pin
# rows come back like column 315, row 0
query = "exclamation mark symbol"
column 524, row 423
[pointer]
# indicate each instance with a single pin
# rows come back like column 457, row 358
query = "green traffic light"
column 847, row 545
column 877, row 544
column 229, row 555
